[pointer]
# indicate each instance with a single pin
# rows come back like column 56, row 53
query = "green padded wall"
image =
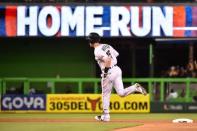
column 46, row 57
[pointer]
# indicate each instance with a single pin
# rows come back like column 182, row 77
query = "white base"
column 182, row 120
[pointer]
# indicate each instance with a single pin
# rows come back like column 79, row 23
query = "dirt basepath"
column 162, row 126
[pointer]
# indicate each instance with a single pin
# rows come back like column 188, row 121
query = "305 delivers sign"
column 84, row 103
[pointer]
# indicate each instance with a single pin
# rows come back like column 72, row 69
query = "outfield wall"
column 89, row 103
column 173, row 107
column 74, row 103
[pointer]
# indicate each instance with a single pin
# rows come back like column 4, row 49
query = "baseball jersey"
column 104, row 51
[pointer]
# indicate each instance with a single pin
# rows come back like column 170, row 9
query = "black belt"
column 113, row 66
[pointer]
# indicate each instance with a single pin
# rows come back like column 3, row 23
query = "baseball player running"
column 105, row 55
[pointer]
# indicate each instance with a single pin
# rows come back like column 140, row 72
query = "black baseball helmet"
column 93, row 37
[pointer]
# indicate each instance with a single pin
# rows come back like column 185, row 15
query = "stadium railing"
column 148, row 83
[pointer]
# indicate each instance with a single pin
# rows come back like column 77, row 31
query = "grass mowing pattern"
column 153, row 116
column 82, row 126
column 71, row 126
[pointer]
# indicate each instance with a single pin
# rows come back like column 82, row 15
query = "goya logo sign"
column 21, row 102
column 136, row 21
column 93, row 103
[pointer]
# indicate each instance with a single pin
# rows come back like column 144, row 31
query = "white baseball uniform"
column 114, row 77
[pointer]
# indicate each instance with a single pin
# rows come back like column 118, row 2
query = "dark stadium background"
column 72, row 57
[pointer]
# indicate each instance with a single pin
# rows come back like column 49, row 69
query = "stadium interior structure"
column 66, row 65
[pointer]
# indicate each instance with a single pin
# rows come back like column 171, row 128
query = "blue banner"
column 23, row 102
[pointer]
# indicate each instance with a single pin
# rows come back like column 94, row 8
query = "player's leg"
column 118, row 84
column 106, row 92
column 140, row 89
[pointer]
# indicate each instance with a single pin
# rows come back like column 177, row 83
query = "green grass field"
column 90, row 125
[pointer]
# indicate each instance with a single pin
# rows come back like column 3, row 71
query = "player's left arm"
column 107, row 61
column 110, row 53
column 115, row 52
column 106, row 66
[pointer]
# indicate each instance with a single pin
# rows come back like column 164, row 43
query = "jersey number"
column 108, row 53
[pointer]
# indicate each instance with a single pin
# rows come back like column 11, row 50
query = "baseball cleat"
column 103, row 118
column 140, row 89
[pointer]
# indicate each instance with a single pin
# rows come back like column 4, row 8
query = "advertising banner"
column 88, row 103
column 108, row 21
column 173, row 107
column 23, row 102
